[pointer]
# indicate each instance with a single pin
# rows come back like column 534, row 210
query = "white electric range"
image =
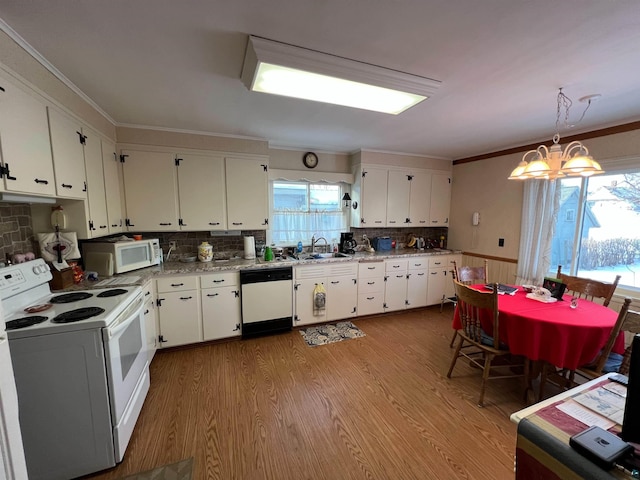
column 81, row 370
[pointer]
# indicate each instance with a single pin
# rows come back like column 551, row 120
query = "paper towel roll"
column 249, row 248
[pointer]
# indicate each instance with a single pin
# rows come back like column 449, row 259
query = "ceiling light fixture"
column 551, row 163
column 283, row 69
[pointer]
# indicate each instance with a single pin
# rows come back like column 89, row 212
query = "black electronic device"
column 631, row 422
column 600, row 446
column 555, row 286
column 347, row 243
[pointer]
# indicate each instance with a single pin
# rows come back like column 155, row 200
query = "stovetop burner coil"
column 24, row 322
column 71, row 297
column 78, row 314
column 112, row 293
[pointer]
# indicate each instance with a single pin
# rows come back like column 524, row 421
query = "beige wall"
column 292, row 160
column 17, row 60
column 483, row 187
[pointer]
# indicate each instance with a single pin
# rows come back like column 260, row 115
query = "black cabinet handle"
column 66, row 185
column 236, row 223
column 177, row 284
column 165, row 224
column 212, row 294
column 186, row 298
column 44, row 182
column 218, row 281
column 214, row 223
column 237, row 327
column 161, row 339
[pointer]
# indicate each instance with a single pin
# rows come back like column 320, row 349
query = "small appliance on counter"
column 108, row 258
column 347, row 243
column 381, row 244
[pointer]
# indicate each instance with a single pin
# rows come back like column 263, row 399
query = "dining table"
column 551, row 332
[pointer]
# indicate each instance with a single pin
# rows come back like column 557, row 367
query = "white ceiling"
column 176, row 64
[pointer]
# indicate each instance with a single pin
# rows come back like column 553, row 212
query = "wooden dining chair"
column 606, row 361
column 587, row 288
column 467, row 276
column 628, row 321
column 471, row 304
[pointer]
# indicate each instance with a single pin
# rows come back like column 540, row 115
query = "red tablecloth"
column 553, row 332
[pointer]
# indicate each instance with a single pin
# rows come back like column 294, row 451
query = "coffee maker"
column 347, row 243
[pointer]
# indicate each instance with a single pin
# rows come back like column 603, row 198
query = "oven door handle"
column 127, row 318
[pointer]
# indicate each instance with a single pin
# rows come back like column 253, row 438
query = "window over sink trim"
column 302, row 209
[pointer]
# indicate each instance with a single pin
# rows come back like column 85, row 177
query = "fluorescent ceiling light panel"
column 281, row 69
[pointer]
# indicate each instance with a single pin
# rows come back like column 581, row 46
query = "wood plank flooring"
column 376, row 407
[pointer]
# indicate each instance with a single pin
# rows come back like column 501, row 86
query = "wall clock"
column 310, row 160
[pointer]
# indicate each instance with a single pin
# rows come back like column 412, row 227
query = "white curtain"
column 539, row 212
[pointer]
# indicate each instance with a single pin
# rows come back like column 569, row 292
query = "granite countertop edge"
column 140, row 277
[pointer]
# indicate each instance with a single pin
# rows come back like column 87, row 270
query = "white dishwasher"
column 267, row 300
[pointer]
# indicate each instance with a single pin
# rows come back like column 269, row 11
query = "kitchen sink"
column 323, row 256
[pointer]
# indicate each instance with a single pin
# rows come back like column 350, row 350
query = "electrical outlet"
column 501, row 242
column 172, row 244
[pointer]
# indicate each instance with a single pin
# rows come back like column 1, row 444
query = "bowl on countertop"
column 188, row 259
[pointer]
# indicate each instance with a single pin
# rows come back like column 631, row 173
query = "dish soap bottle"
column 268, row 253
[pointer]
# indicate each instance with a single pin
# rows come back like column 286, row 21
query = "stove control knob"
column 36, row 269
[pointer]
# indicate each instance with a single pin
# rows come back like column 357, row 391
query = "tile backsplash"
column 16, row 230
column 17, row 235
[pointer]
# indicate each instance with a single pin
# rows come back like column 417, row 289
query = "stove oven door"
column 128, row 372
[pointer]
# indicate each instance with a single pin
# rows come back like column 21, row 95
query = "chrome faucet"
column 315, row 240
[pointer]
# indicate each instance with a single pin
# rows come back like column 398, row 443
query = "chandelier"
column 554, row 162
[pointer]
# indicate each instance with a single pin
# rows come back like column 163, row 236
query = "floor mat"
column 330, row 333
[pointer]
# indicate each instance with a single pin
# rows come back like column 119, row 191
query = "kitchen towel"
column 249, row 248
column 319, row 299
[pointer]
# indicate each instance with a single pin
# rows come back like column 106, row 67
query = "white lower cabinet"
column 221, row 305
column 150, row 319
column 342, row 291
column 179, row 311
column 370, row 288
column 395, row 285
column 306, row 279
column 417, row 282
column 440, row 278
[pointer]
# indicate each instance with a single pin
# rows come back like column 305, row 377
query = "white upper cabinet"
column 98, row 222
column 398, row 189
column 67, row 142
column 27, row 166
column 111, row 169
column 201, row 192
column 150, row 191
column 247, row 182
column 440, row 200
column 420, row 199
column 370, row 194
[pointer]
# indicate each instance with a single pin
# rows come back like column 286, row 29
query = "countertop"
column 140, row 277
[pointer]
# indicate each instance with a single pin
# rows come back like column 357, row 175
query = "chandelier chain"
column 563, row 102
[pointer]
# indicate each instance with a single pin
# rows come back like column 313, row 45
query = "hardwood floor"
column 376, row 407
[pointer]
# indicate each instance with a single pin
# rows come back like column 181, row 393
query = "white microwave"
column 108, row 258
